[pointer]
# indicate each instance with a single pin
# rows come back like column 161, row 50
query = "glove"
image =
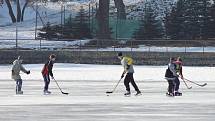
column 52, row 77
column 13, row 72
column 122, row 76
column 28, row 72
column 128, row 66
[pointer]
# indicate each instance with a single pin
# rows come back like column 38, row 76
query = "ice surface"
column 87, row 100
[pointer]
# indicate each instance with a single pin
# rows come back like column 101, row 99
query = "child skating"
column 16, row 68
column 47, row 72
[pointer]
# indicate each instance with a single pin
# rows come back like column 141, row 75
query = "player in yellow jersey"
column 127, row 64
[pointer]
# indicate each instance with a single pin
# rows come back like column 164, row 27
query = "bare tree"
column 20, row 12
column 120, row 9
column 10, row 9
column 1, row 2
column 23, row 9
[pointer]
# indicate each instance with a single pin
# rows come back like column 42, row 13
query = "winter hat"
column 52, row 56
column 172, row 59
column 120, row 54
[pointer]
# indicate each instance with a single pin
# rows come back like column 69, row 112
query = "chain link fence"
column 132, row 45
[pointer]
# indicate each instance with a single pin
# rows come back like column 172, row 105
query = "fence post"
column 203, row 52
column 97, row 50
column 40, row 44
column 203, row 46
column 80, row 52
column 131, row 45
column 89, row 16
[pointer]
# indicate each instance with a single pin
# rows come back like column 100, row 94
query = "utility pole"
column 116, row 26
column 89, row 15
column 16, row 28
column 36, row 20
column 62, row 19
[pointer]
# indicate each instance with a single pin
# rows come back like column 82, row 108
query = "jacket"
column 178, row 67
column 16, row 68
column 171, row 72
column 47, row 68
column 127, row 64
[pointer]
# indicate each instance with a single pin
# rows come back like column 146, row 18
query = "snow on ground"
column 51, row 12
column 87, row 100
column 75, row 44
column 35, row 44
column 144, row 48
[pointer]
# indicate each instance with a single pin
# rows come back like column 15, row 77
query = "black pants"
column 46, row 81
column 177, row 84
column 171, row 86
column 129, row 78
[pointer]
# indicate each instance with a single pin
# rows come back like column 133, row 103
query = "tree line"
column 188, row 19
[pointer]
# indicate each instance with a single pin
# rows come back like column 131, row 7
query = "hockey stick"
column 108, row 92
column 60, row 88
column 201, row 85
column 186, row 84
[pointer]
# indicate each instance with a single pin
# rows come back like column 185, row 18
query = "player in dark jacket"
column 47, row 72
column 171, row 76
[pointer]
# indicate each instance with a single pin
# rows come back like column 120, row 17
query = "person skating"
column 178, row 64
column 127, row 64
column 47, row 72
column 16, row 68
column 171, row 76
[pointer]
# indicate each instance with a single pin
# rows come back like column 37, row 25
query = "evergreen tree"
column 211, row 23
column 102, row 16
column 189, row 20
column 150, row 27
column 197, row 18
column 73, row 29
column 79, row 27
column 174, row 21
column 49, row 32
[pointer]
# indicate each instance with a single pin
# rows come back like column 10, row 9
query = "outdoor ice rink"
column 87, row 100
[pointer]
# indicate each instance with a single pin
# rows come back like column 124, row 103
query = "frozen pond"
column 87, row 100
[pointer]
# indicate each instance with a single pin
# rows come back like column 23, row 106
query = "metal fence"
column 131, row 45
column 147, row 52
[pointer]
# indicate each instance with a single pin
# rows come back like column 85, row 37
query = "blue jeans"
column 46, row 81
column 18, row 85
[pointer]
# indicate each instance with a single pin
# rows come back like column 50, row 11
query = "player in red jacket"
column 47, row 72
column 178, row 64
